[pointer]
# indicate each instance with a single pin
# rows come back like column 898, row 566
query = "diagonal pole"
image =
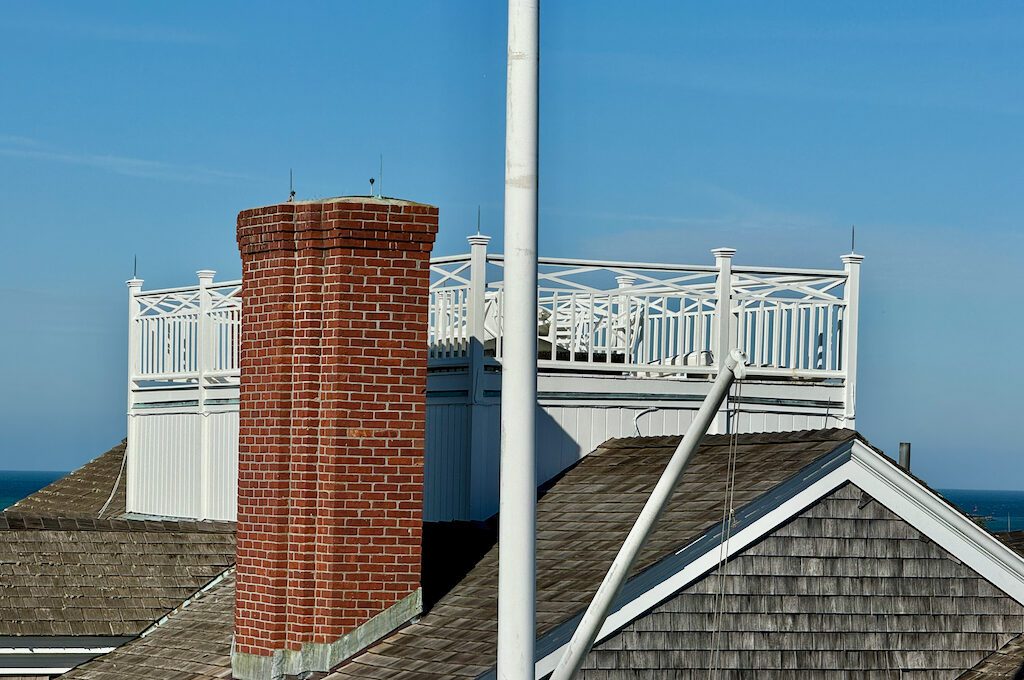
column 590, row 625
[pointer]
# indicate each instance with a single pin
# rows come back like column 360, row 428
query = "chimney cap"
column 365, row 200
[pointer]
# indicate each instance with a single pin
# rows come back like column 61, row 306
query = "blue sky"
column 668, row 128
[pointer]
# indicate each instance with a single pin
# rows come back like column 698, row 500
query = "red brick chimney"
column 331, row 430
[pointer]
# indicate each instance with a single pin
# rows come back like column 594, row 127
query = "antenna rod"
column 478, row 220
column 380, row 179
column 853, row 238
column 518, row 483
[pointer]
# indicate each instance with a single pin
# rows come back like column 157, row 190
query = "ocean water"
column 16, row 484
column 998, row 510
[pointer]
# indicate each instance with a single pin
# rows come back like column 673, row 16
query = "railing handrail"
column 608, row 316
column 185, row 289
column 615, row 264
column 661, row 266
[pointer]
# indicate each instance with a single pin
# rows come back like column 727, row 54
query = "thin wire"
column 728, row 515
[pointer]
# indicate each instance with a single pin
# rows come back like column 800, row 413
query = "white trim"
column 53, row 670
column 189, row 600
column 69, row 657
column 696, row 569
column 56, row 650
column 887, row 484
column 939, row 521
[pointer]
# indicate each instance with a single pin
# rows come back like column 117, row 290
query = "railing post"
column 722, row 342
column 477, row 299
column 623, row 325
column 134, row 368
column 204, row 359
column 477, row 334
column 852, row 262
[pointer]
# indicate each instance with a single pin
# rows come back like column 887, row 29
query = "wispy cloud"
column 77, row 27
column 718, row 216
column 913, row 88
column 13, row 146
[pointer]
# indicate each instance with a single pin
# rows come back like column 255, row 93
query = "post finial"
column 852, row 258
column 723, row 252
column 206, row 274
column 134, row 283
column 478, row 239
column 625, row 280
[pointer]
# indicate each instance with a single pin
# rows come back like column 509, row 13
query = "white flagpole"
column 518, row 489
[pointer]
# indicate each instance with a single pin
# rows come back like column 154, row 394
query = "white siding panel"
column 446, row 463
column 167, row 465
column 222, row 478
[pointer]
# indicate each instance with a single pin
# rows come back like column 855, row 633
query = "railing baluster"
column 782, row 318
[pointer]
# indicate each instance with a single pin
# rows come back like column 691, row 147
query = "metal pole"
column 518, row 489
column 587, row 632
column 905, row 456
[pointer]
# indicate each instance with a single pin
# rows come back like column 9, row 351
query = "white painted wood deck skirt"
column 616, row 339
column 167, row 475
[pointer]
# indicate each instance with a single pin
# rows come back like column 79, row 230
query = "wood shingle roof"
column 581, row 523
column 82, row 493
column 194, row 643
column 67, row 571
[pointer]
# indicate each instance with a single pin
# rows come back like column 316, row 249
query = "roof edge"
column 752, row 521
column 853, row 461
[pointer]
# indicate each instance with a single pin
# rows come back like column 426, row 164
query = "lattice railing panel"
column 616, row 316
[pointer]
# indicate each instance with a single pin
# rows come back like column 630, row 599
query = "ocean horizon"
column 997, row 510
column 17, row 484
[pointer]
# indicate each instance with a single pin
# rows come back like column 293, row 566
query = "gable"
column 842, row 586
column 581, row 523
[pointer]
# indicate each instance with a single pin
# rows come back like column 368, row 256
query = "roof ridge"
column 660, row 441
column 19, row 521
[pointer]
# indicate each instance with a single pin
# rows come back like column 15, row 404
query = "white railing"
column 187, row 334
column 640, row 319
column 649, row 319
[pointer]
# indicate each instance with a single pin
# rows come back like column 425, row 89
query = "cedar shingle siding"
column 1002, row 664
column 841, row 591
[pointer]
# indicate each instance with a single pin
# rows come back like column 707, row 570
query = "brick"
column 332, row 415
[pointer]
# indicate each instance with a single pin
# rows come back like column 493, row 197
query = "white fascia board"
column 887, row 484
column 54, row 650
column 938, row 520
column 22, row 672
